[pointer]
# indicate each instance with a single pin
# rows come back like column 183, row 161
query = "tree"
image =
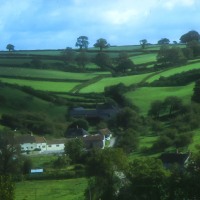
column 196, row 93
column 155, row 109
column 10, row 47
column 124, row 63
column 163, row 41
column 128, row 118
column 80, row 123
column 6, row 188
column 69, row 54
column 143, row 43
column 74, row 148
column 82, row 59
column 129, row 140
column 170, row 56
column 107, row 168
column 195, row 47
column 103, row 60
column 9, row 153
column 82, row 42
column 190, row 36
column 147, row 179
column 173, row 104
column 101, row 44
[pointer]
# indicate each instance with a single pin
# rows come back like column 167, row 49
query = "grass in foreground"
column 70, row 189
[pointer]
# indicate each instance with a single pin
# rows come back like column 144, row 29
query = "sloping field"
column 143, row 97
column 174, row 71
column 16, row 100
column 70, row 189
column 43, row 85
column 42, row 73
column 141, row 59
column 105, row 82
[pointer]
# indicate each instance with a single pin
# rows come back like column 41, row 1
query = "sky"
column 56, row 24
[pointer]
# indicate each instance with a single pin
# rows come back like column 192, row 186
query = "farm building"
column 94, row 141
column 100, row 113
column 32, row 143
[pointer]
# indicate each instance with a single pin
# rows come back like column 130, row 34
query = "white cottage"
column 32, row 143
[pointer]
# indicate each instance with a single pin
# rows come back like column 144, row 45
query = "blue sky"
column 56, row 24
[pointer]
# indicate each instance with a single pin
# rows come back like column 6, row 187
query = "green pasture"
column 11, row 61
column 143, row 97
column 45, row 73
column 105, row 82
column 17, row 100
column 39, row 161
column 43, row 85
column 196, row 142
column 40, row 52
column 147, row 141
column 145, row 58
column 70, row 189
column 173, row 71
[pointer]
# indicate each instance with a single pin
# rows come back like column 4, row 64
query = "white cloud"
column 171, row 4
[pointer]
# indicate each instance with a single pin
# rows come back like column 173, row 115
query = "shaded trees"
column 6, row 188
column 9, row 153
column 10, row 47
column 163, row 41
column 103, row 60
column 170, row 56
column 196, row 93
column 74, row 148
column 129, row 140
column 190, row 36
column 124, row 63
column 82, row 42
column 147, row 179
column 106, row 167
column 143, row 43
column 155, row 109
column 101, row 44
column 69, row 55
column 81, row 59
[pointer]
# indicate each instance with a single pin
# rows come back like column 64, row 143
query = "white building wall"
column 55, row 147
column 28, row 146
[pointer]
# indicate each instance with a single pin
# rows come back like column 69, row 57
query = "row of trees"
column 113, row 177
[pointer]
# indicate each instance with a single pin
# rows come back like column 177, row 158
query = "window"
column 49, row 145
column 43, row 146
column 57, row 145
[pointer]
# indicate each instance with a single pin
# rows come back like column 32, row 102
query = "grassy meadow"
column 172, row 71
column 70, row 189
column 144, row 96
column 16, row 101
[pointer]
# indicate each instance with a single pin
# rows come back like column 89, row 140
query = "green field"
column 105, row 82
column 142, row 59
column 42, row 73
column 173, row 71
column 71, row 189
column 196, row 142
column 143, row 97
column 17, row 100
column 43, row 85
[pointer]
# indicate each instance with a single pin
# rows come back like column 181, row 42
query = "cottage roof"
column 57, row 141
column 96, row 137
column 104, row 131
column 30, row 139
